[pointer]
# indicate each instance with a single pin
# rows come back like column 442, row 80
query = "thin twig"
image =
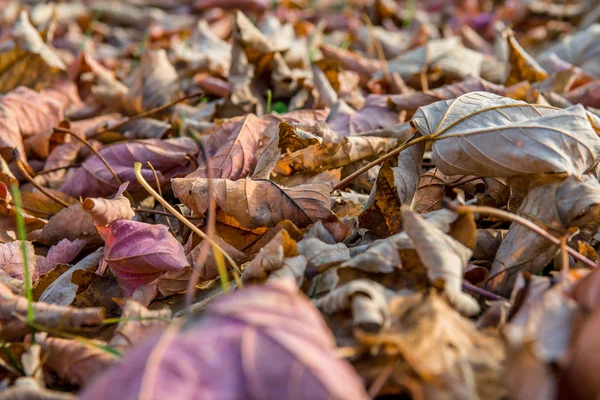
column 468, row 286
column 145, row 114
column 159, row 189
column 378, row 50
column 347, row 180
column 138, row 174
column 158, row 212
column 519, row 220
column 48, row 171
column 24, row 172
column 100, row 157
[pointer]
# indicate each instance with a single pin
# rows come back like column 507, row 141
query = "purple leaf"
column 63, row 252
column 139, row 253
column 262, row 342
column 169, row 157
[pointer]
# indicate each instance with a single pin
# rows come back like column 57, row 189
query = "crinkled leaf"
column 168, row 157
column 105, row 211
column 489, row 135
column 12, row 259
column 259, row 203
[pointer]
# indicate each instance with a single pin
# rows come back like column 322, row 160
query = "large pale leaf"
column 261, row 342
column 168, row 157
column 489, row 135
column 581, row 49
column 259, row 203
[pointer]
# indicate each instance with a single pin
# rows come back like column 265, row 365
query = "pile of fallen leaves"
column 252, row 199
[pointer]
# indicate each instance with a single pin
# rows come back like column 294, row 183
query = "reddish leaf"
column 139, row 253
column 169, row 158
column 262, row 342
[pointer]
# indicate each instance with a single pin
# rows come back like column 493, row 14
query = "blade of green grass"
column 22, row 236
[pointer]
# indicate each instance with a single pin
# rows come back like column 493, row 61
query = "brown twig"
column 468, row 286
column 378, row 50
column 347, row 180
column 158, row 212
column 97, row 154
column 144, row 114
column 24, row 172
column 48, row 171
column 519, row 220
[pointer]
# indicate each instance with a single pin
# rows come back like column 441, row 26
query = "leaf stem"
column 147, row 113
column 519, row 220
column 347, row 180
column 29, row 179
column 138, row 174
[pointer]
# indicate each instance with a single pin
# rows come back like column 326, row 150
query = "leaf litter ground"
column 246, row 199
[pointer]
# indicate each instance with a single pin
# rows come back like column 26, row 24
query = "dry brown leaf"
column 259, row 203
column 74, row 361
column 556, row 206
column 70, row 223
column 521, row 66
column 12, row 261
column 206, row 269
column 105, row 211
column 366, row 299
column 137, row 323
column 270, row 258
column 29, row 61
column 533, row 139
column 444, row 258
column 580, row 49
column 396, row 185
column 450, row 357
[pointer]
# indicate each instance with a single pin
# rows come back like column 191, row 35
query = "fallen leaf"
column 63, row 252
column 532, row 140
column 295, row 335
column 396, row 185
column 46, row 315
column 168, row 157
column 106, row 211
column 12, row 260
column 557, row 205
column 70, row 223
column 580, row 49
column 444, row 258
column 137, row 323
column 260, row 203
column 29, row 61
column 138, row 253
column 74, row 361
column 521, row 66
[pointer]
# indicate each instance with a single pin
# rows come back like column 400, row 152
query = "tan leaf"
column 137, row 323
column 366, row 299
column 74, row 361
column 12, row 260
column 580, row 49
column 238, row 140
column 521, row 66
column 270, row 258
column 396, row 185
column 431, row 340
column 257, row 203
column 105, row 211
column 70, row 223
column 557, row 205
column 489, row 135
column 29, row 61
column 444, row 258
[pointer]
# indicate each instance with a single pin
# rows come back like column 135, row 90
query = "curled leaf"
column 105, row 211
column 259, row 203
